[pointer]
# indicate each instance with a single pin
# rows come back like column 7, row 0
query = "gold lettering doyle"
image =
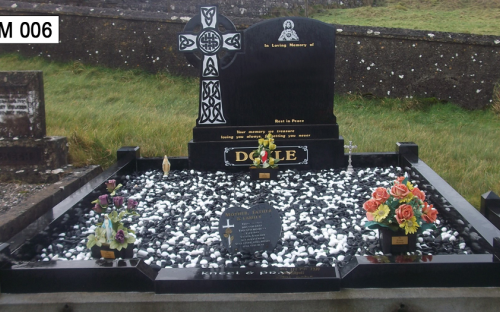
column 242, row 156
column 290, row 155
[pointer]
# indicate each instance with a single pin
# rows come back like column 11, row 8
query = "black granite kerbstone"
column 270, row 280
column 358, row 271
column 421, row 271
column 83, row 276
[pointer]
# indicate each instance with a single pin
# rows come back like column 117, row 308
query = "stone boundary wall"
column 382, row 62
column 246, row 8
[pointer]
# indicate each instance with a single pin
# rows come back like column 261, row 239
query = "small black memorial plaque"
column 275, row 77
column 250, row 230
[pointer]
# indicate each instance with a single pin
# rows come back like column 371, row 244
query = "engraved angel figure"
column 288, row 34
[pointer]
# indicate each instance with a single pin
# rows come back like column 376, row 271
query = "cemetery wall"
column 247, row 8
column 381, row 62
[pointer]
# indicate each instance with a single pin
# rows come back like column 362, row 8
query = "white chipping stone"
column 142, row 253
column 185, row 203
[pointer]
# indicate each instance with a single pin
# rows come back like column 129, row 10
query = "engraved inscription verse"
column 15, row 101
column 252, row 235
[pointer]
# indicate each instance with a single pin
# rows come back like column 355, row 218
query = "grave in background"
column 26, row 153
column 276, row 76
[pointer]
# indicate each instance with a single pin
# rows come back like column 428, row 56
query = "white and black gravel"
column 322, row 218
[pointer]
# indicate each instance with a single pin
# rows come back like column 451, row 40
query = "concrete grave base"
column 32, row 160
column 368, row 299
column 19, row 217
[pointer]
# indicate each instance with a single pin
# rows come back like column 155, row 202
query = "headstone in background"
column 26, row 154
column 250, row 230
column 22, row 107
column 277, row 76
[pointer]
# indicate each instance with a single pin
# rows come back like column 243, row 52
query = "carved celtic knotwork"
column 210, row 41
column 208, row 14
column 185, row 42
column 211, row 110
column 210, row 67
column 233, row 41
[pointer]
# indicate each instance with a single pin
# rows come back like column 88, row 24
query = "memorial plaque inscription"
column 250, row 230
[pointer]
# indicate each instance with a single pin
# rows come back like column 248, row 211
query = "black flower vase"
column 396, row 242
column 105, row 252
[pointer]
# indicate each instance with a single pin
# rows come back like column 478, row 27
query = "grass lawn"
column 100, row 110
column 460, row 16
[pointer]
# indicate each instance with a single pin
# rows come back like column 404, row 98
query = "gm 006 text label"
column 29, row 29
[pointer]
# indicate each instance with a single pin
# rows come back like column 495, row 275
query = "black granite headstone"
column 250, row 230
column 277, row 76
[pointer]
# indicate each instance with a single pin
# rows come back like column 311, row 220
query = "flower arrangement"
column 262, row 156
column 112, row 230
column 400, row 206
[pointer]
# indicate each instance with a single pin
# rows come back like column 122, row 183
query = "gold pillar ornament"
column 165, row 166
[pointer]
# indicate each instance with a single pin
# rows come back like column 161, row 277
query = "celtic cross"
column 209, row 41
